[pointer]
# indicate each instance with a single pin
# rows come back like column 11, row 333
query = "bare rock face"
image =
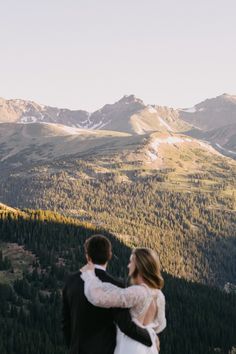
column 21, row 111
column 212, row 113
column 214, row 120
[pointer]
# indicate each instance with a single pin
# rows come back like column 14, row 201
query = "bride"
column 144, row 298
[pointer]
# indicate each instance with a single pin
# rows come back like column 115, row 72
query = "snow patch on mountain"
column 98, row 125
column 153, row 156
column 222, row 148
column 71, row 130
column 189, row 110
column 104, row 124
column 163, row 123
column 155, row 143
column 28, row 119
column 170, row 140
column 151, row 109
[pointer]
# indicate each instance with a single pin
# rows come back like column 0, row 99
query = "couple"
column 100, row 316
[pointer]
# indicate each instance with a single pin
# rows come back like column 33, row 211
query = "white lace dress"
column 136, row 297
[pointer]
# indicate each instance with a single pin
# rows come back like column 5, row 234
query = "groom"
column 89, row 329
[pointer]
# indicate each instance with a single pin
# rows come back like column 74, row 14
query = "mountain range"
column 129, row 114
column 213, row 120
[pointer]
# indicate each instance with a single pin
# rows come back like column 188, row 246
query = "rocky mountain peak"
column 221, row 100
column 129, row 99
column 212, row 114
column 228, row 97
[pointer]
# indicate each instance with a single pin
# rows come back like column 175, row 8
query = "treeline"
column 200, row 318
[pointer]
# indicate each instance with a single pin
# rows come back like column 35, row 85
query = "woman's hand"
column 88, row 266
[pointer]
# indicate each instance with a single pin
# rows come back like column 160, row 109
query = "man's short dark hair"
column 98, row 248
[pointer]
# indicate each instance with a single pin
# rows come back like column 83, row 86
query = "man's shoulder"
column 73, row 278
column 106, row 277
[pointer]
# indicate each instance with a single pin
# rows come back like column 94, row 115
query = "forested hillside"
column 200, row 318
column 189, row 218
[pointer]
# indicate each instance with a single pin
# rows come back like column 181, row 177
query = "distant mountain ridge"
column 212, row 113
column 22, row 111
column 213, row 120
column 207, row 115
column 129, row 114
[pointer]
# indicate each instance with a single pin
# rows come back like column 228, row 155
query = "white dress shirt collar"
column 98, row 266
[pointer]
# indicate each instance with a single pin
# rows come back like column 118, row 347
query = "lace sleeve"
column 161, row 316
column 108, row 295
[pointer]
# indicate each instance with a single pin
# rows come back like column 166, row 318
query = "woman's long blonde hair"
column 148, row 266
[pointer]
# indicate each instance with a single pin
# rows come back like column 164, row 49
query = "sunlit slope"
column 51, row 246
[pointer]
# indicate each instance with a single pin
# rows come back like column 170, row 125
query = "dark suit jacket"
column 89, row 329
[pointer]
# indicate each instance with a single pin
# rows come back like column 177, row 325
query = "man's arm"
column 123, row 318
column 66, row 317
column 124, row 321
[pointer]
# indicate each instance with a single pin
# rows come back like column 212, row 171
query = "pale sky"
column 82, row 54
